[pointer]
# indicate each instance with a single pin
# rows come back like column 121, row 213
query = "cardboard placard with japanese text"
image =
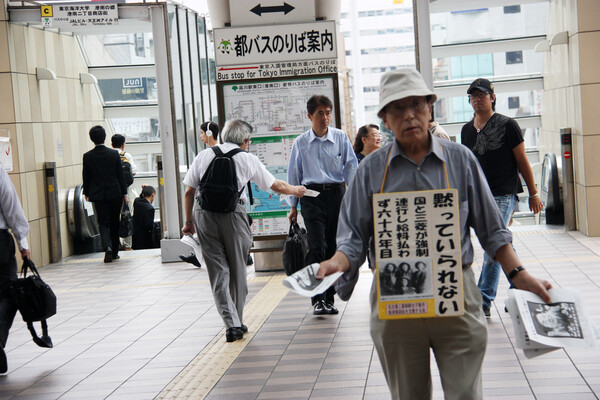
column 417, row 244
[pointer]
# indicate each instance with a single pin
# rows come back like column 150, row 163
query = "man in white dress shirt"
column 11, row 216
column 118, row 143
column 225, row 237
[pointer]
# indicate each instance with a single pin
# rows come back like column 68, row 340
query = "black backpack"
column 127, row 172
column 217, row 191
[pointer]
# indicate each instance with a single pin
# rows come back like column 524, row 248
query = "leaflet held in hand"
column 540, row 327
column 305, row 282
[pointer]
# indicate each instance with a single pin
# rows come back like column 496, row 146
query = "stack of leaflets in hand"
column 541, row 328
column 305, row 282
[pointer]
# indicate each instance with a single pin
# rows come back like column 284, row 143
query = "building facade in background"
column 467, row 42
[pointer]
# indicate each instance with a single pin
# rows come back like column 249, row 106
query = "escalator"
column 82, row 222
column 551, row 190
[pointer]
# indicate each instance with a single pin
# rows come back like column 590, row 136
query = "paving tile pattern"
column 131, row 330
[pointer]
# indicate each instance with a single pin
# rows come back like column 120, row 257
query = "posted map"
column 276, row 109
column 267, row 209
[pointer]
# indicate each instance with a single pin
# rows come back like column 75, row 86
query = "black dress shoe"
column 330, row 309
column 3, row 362
column 319, row 308
column 249, row 260
column 116, row 257
column 108, row 255
column 486, row 312
column 244, row 328
column 233, row 334
column 190, row 259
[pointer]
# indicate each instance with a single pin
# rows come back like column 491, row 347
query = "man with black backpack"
column 220, row 174
column 209, row 134
column 129, row 170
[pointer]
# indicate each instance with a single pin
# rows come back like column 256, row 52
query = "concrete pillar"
column 571, row 84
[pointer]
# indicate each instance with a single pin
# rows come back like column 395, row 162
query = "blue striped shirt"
column 329, row 159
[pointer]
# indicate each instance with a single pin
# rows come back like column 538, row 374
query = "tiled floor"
column 139, row 329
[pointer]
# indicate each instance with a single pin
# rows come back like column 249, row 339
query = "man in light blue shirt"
column 322, row 159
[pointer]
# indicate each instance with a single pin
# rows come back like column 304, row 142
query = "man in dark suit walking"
column 104, row 185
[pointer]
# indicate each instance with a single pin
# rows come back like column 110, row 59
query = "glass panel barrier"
column 118, row 49
column 137, row 129
column 488, row 23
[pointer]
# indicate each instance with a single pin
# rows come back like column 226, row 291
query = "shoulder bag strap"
column 28, row 264
column 250, row 197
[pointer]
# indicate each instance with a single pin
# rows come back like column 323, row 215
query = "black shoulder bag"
column 35, row 301
column 294, row 249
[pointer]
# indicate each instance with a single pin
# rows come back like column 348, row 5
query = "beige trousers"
column 458, row 344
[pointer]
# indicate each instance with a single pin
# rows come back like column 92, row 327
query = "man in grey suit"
column 104, row 185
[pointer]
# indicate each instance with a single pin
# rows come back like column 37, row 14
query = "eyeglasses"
column 478, row 95
column 249, row 141
column 400, row 107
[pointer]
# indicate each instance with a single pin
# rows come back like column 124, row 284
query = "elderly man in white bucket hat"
column 418, row 161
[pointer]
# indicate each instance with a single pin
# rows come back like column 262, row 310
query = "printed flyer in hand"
column 305, row 282
column 540, row 327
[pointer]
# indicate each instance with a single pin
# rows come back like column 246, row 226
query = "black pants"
column 320, row 216
column 108, row 213
column 8, row 272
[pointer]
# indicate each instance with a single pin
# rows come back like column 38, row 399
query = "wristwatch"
column 515, row 271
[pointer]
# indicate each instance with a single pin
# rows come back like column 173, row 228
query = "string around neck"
column 387, row 163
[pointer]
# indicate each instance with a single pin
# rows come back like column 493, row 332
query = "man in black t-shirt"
column 497, row 142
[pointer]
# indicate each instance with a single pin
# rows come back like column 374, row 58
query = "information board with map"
column 277, row 111
column 275, row 107
column 268, row 209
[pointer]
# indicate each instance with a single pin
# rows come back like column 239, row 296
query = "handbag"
column 156, row 234
column 126, row 222
column 35, row 301
column 295, row 248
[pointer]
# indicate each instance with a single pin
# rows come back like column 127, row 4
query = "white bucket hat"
column 400, row 84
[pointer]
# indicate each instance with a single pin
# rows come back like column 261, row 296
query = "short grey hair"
column 236, row 131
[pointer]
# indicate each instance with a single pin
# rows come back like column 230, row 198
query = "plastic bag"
column 126, row 224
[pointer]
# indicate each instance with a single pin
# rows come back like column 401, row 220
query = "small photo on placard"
column 406, row 278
